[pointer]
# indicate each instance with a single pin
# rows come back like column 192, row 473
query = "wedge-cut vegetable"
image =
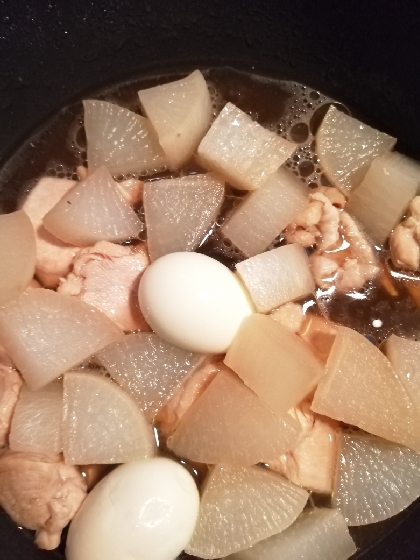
column 266, row 212
column 404, row 355
column 346, row 147
column 241, row 150
column 179, row 212
column 229, row 424
column 361, row 388
column 319, row 534
column 46, row 334
column 241, row 506
column 381, row 200
column 271, row 359
column 277, row 276
column 93, row 210
column 101, row 423
column 375, row 479
column 17, row 254
column 36, row 423
column 180, row 114
column 148, row 368
column 121, row 140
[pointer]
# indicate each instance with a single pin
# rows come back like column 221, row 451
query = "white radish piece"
column 148, row 368
column 36, row 422
column 274, row 362
column 10, row 386
column 120, row 140
column 361, row 388
column 381, row 200
column 93, row 210
column 180, row 113
column 101, row 423
column 46, row 334
column 318, row 534
column 346, row 147
column 375, row 479
column 240, row 507
column 229, row 424
column 404, row 355
column 17, row 254
column 179, row 212
column 277, row 276
column 241, row 150
column 266, row 212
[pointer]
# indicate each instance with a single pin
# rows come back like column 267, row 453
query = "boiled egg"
column 145, row 510
column 193, row 302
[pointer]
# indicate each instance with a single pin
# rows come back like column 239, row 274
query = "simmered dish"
column 195, row 332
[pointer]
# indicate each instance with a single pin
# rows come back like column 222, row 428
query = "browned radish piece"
column 40, row 492
column 312, row 461
column 229, row 424
column 46, row 334
column 120, row 140
column 381, row 200
column 278, row 365
column 132, row 190
column 319, row 332
column 266, row 212
column 361, row 388
column 240, row 507
column 346, row 147
column 101, row 423
column 36, row 423
column 241, row 150
column 10, row 386
column 93, row 210
column 53, row 257
column 148, row 368
column 107, row 276
column 277, row 276
column 404, row 356
column 179, row 212
column 180, row 114
column 289, row 315
column 318, row 534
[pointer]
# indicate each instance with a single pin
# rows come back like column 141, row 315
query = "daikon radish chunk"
column 375, row 479
column 319, row 534
column 381, row 200
column 361, row 388
column 120, row 140
column 101, row 423
column 93, row 210
column 36, row 422
column 241, row 150
column 17, row 254
column 148, row 368
column 277, row 276
column 266, row 212
column 180, row 113
column 179, row 212
column 404, row 355
column 241, row 506
column 274, row 362
column 46, row 334
column 229, row 424
column 346, row 147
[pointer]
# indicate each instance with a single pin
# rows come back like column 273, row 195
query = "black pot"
column 366, row 54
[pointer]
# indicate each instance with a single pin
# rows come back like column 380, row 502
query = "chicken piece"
column 4, row 358
column 40, row 492
column 131, row 189
column 324, row 269
column 311, row 463
column 353, row 275
column 405, row 240
column 336, row 198
column 107, row 276
column 54, row 258
column 359, row 246
column 319, row 332
column 10, row 385
column 171, row 414
column 290, row 315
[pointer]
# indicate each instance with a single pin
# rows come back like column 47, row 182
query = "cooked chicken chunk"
column 40, row 492
column 10, row 386
column 405, row 240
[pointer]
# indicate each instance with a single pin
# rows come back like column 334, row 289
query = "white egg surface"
column 193, row 302
column 145, row 510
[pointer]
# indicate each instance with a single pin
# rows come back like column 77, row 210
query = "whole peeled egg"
column 145, row 510
column 193, row 302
